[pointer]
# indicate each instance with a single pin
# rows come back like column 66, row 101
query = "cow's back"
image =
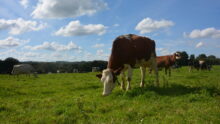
column 165, row 61
column 129, row 49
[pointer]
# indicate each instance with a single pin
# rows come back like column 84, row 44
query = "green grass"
column 76, row 98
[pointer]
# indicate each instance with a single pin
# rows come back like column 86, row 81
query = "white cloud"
column 148, row 25
column 205, row 33
column 55, row 46
column 37, row 56
column 11, row 42
column 74, row 28
column 100, row 54
column 200, row 44
column 98, row 45
column 67, row 8
column 19, row 26
column 163, row 51
column 24, row 3
column 116, row 25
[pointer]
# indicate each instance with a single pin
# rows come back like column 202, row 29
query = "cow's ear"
column 99, row 76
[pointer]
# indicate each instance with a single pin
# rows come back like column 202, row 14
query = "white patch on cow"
column 129, row 76
column 177, row 56
column 107, row 79
column 201, row 62
column 127, row 36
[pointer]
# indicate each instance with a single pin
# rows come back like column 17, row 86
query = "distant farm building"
column 75, row 70
column 95, row 69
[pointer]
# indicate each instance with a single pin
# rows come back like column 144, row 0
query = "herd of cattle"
column 129, row 51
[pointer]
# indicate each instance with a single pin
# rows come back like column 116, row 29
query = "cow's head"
column 177, row 55
column 108, row 79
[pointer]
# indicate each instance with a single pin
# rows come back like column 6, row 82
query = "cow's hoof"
column 123, row 88
column 128, row 88
column 142, row 85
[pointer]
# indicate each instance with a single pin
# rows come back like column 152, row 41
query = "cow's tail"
column 154, row 49
column 154, row 64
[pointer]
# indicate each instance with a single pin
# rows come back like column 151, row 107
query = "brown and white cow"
column 167, row 61
column 128, row 51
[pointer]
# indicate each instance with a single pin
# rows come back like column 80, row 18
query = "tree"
column 1, row 66
column 202, row 57
column 184, row 59
column 192, row 57
column 211, row 57
column 8, row 64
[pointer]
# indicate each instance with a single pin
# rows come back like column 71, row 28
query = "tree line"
column 6, row 65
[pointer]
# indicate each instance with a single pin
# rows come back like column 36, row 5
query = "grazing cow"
column 193, row 64
column 23, row 69
column 199, row 65
column 128, row 51
column 204, row 65
column 167, row 61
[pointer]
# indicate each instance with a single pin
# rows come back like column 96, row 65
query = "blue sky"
column 83, row 30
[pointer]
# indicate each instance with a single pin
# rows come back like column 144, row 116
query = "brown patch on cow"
column 129, row 50
column 166, row 61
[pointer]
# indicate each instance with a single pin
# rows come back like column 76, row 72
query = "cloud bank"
column 149, row 25
column 74, row 28
column 205, row 33
column 53, row 46
column 67, row 8
column 19, row 26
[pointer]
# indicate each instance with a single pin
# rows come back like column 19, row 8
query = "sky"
column 83, row 30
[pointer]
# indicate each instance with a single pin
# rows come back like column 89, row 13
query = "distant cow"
column 128, row 51
column 194, row 64
column 204, row 65
column 167, row 61
column 23, row 69
column 199, row 65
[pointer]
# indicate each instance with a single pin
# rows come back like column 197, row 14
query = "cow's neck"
column 115, row 66
column 173, row 59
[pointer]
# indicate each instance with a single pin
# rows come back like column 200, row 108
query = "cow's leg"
column 165, row 70
column 143, row 71
column 169, row 71
column 123, row 80
column 190, row 68
column 129, row 77
column 155, row 68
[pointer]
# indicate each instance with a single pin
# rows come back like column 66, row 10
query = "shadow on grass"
column 172, row 90
column 89, row 87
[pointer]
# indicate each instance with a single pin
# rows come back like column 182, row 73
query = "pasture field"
column 76, row 98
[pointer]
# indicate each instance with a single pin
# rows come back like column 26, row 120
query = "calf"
column 128, row 51
column 167, row 61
